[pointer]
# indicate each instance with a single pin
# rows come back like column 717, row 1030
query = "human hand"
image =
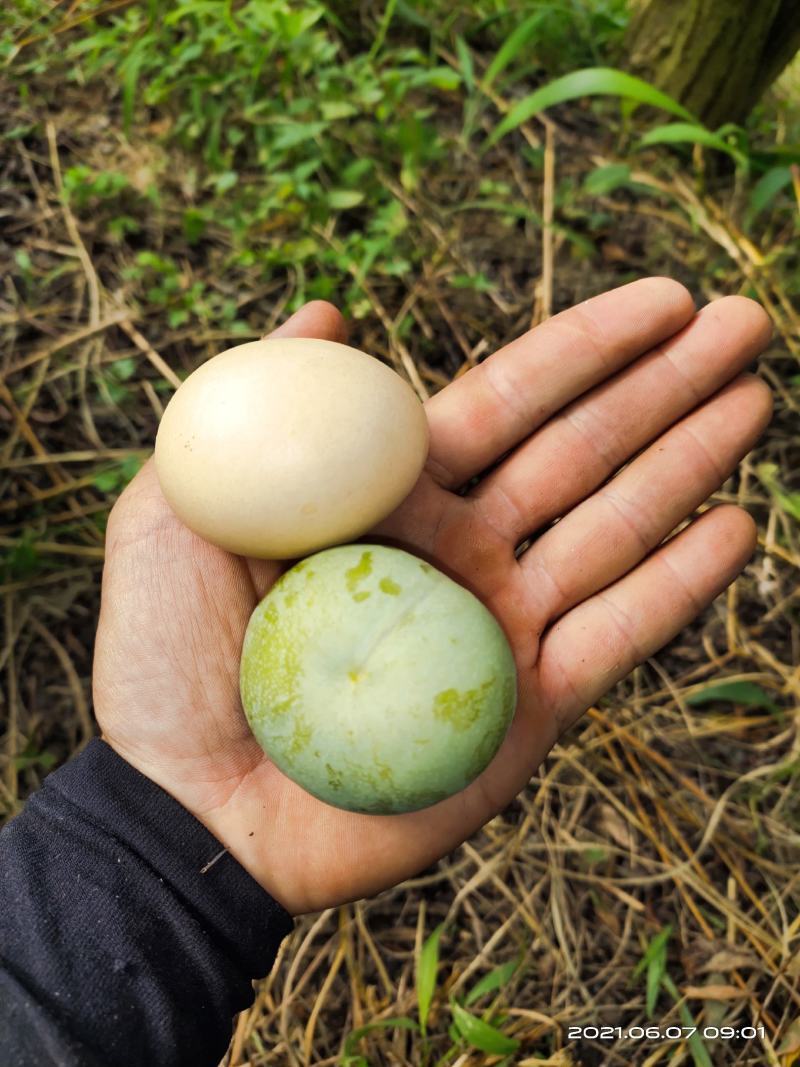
column 630, row 377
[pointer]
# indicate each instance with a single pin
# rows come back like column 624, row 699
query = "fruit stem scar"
column 408, row 608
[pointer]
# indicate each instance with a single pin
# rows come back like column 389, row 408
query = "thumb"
column 317, row 319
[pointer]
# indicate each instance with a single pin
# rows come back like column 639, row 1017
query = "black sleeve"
column 115, row 949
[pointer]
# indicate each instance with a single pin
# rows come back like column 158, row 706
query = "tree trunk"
column 715, row 56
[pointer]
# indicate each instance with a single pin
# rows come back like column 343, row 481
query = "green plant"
column 634, row 92
column 465, row 1028
column 654, row 965
column 427, row 972
column 769, row 476
column 293, row 120
column 20, row 560
column 112, row 381
column 82, row 185
column 747, row 693
column 114, row 479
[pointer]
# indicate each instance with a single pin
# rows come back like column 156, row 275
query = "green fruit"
column 374, row 681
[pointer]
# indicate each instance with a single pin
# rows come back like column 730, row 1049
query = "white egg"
column 278, row 448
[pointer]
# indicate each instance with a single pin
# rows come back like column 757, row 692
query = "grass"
column 180, row 183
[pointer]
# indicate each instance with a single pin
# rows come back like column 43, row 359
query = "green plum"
column 376, row 682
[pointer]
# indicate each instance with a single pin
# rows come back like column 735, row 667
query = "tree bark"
column 714, row 56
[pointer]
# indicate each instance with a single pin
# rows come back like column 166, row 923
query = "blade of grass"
column 480, row 1034
column 654, row 962
column 513, row 45
column 697, row 1046
column 747, row 693
column 691, row 133
column 130, row 78
column 465, row 61
column 768, row 476
column 592, row 81
column 380, row 37
column 426, row 975
column 653, row 948
column 766, row 189
column 350, row 1055
column 495, row 979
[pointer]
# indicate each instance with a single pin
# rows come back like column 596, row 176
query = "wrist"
column 229, row 808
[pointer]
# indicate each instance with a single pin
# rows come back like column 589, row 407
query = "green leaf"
column 604, row 180
column 592, row 81
column 123, row 369
column 407, row 12
column 115, row 391
column 789, row 153
column 767, row 474
column 465, row 62
column 480, row 1034
column 426, row 974
column 690, row 133
column 700, row 1054
column 477, row 281
column 121, row 225
column 341, row 199
column 106, row 481
column 351, row 1057
column 129, row 69
column 513, row 45
column 495, row 979
column 194, row 224
column 23, row 260
column 747, row 693
column 177, row 317
column 225, row 181
column 380, row 36
column 21, row 560
column 696, row 1044
column 290, row 134
column 655, row 947
column 30, row 757
column 44, row 759
column 655, row 972
column 129, row 468
column 17, row 132
column 654, row 961
column 439, row 77
column 766, row 189
column 592, row 856
column 337, row 109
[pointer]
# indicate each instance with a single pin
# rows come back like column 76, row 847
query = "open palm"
column 632, row 383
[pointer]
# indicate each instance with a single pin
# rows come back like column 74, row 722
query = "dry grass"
column 652, row 811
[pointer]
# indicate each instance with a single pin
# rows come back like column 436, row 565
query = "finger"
column 611, row 532
column 317, row 319
column 597, row 643
column 584, row 444
column 481, row 416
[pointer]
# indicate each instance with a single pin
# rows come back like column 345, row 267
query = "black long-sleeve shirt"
column 115, row 950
